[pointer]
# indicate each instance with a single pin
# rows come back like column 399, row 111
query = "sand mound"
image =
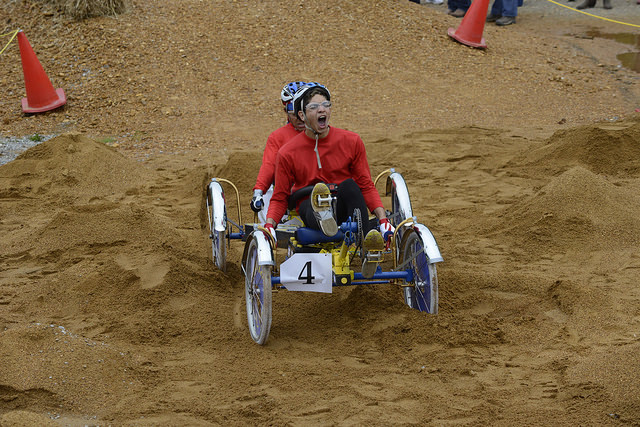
column 607, row 149
column 111, row 245
column 123, row 284
column 242, row 169
column 39, row 350
column 71, row 168
column 576, row 209
column 611, row 370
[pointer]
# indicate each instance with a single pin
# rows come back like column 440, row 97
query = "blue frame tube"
column 377, row 279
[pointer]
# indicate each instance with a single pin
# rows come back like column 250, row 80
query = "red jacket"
column 276, row 140
column 342, row 156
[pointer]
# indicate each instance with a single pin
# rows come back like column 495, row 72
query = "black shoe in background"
column 506, row 20
column 586, row 4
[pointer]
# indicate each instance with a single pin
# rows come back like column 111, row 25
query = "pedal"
column 373, row 249
column 321, row 204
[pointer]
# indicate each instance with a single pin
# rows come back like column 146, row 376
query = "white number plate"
column 307, row 273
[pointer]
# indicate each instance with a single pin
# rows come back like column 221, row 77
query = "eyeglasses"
column 315, row 105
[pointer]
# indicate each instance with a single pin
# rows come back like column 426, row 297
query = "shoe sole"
column 373, row 247
column 321, row 205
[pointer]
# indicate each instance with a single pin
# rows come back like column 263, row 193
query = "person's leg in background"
column 496, row 11
column 509, row 12
column 458, row 8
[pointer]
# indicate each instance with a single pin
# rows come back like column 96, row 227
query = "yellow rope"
column 15, row 33
column 594, row 16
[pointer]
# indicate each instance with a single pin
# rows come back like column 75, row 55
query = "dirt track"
column 524, row 160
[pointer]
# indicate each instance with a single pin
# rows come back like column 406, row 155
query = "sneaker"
column 437, row 1
column 322, row 210
column 586, row 4
column 373, row 248
column 506, row 20
column 493, row 18
column 458, row 13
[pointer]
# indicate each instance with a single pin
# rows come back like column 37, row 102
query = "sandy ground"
column 523, row 159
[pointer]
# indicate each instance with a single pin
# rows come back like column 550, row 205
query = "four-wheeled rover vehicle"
column 304, row 259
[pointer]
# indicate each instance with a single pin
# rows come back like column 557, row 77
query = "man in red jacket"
column 262, row 191
column 326, row 155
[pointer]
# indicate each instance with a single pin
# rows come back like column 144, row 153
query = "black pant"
column 349, row 197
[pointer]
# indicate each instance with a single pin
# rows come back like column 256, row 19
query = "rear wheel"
column 257, row 293
column 423, row 292
column 219, row 249
column 218, row 240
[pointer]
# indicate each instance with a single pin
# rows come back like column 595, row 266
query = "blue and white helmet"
column 288, row 91
column 297, row 98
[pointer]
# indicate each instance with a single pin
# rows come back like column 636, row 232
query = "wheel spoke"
column 254, row 270
column 422, row 282
column 414, row 255
column 256, row 295
column 422, row 297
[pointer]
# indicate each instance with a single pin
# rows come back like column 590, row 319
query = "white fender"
column 265, row 255
column 216, row 200
column 395, row 180
column 430, row 246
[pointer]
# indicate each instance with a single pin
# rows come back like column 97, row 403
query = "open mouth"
column 322, row 121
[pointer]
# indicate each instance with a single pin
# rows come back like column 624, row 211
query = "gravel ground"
column 623, row 11
column 11, row 147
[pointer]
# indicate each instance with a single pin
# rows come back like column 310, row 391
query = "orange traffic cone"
column 470, row 30
column 41, row 96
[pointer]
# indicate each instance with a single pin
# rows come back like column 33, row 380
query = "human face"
column 295, row 121
column 318, row 118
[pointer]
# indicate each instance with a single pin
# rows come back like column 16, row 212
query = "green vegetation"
column 106, row 139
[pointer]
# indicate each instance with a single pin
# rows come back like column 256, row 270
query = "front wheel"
column 400, row 201
column 422, row 294
column 257, row 291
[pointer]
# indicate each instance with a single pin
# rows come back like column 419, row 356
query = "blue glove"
column 256, row 201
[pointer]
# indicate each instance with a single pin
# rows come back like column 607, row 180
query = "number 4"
column 308, row 279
